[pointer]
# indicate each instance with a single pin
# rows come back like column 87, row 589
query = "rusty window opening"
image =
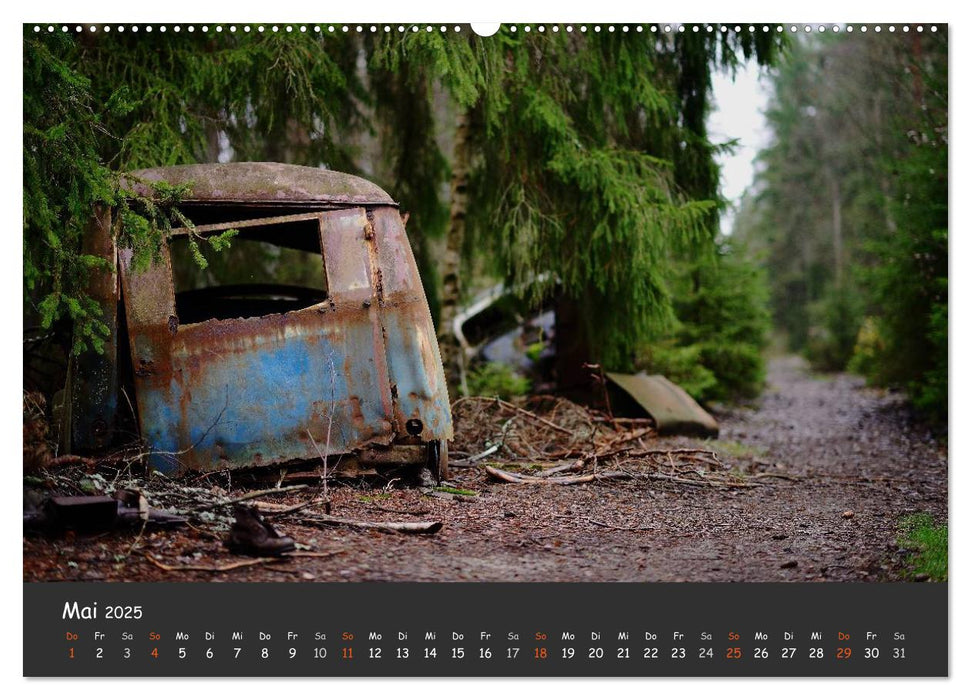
column 241, row 221
column 209, row 213
column 272, row 266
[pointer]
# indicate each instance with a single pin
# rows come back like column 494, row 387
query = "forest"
column 848, row 215
column 571, row 167
column 584, row 155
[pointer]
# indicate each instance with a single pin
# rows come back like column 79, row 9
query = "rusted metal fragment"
column 96, row 514
column 395, row 258
column 396, row 454
column 345, row 255
column 414, row 359
column 673, row 410
column 263, row 183
column 422, row 394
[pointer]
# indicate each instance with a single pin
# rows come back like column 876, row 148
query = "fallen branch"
column 690, row 453
column 211, row 569
column 275, row 511
column 701, row 484
column 420, row 528
column 241, row 564
column 618, row 420
column 776, row 475
column 312, row 555
column 513, row 478
column 470, row 462
column 556, row 470
column 630, row 436
column 250, row 496
column 396, row 511
column 677, row 480
column 604, row 476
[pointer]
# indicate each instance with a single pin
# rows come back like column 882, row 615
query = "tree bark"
column 572, row 350
column 453, row 357
column 837, row 230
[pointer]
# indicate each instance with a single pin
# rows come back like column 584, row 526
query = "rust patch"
column 357, row 415
column 144, row 368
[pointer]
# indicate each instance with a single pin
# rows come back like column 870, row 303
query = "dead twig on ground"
column 470, row 462
column 203, row 531
column 249, row 497
column 241, row 564
column 323, row 460
column 630, row 436
column 552, row 471
column 396, row 511
column 505, row 404
column 775, row 475
column 420, row 528
column 514, row 478
column 211, row 569
column 701, row 484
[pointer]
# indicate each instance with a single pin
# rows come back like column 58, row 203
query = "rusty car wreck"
column 275, row 368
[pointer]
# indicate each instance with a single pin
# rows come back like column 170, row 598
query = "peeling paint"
column 249, row 391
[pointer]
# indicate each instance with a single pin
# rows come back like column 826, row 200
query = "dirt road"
column 827, row 469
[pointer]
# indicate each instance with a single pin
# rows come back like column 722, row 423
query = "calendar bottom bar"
column 485, row 629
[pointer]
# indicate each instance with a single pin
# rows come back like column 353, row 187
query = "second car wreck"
column 327, row 350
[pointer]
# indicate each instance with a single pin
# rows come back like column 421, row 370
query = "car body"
column 320, row 343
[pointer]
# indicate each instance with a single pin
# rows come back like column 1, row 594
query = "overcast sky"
column 738, row 114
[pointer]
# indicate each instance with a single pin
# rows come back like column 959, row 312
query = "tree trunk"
column 837, row 230
column 452, row 353
column 572, row 350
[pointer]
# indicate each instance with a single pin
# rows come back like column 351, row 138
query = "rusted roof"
column 264, row 183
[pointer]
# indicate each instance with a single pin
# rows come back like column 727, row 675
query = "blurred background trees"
column 849, row 211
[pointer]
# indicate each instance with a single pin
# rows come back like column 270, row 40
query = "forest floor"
column 809, row 484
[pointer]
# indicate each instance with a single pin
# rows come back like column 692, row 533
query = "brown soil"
column 811, row 487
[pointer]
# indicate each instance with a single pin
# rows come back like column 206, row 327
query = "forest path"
column 830, row 468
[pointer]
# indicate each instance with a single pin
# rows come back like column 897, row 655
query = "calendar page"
column 526, row 349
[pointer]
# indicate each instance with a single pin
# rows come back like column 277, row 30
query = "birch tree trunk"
column 452, row 353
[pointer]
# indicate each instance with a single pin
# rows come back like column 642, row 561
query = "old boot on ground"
column 252, row 535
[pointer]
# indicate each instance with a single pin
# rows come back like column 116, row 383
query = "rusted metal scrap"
column 244, row 375
column 673, row 410
column 97, row 513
